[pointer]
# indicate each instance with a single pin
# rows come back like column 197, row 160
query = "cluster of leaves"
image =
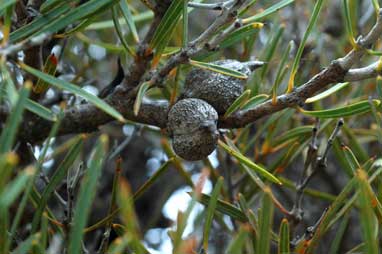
column 258, row 162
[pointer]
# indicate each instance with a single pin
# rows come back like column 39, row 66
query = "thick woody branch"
column 87, row 117
column 332, row 74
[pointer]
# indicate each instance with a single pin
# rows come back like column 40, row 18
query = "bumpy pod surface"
column 217, row 89
column 192, row 124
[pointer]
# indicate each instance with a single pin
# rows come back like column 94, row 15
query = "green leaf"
column 327, row 92
column 38, row 23
column 30, row 193
column 348, row 23
column 244, row 160
column 185, row 24
column 218, row 69
column 64, row 85
column 223, row 207
column 354, row 142
column 8, row 85
column 8, row 196
column 292, row 134
column 274, row 8
column 8, row 134
column 284, row 242
column 56, row 179
column 270, row 49
column 376, row 6
column 6, row 3
column 108, row 46
column 238, row 103
column 336, row 244
column 113, row 207
column 27, row 245
column 240, row 34
column 118, row 29
column 49, row 68
column 281, row 71
column 140, row 17
column 141, row 93
column 378, row 120
column 86, row 195
column 309, row 29
column 254, row 101
column 349, row 110
column 338, row 206
column 129, row 218
column 6, row 15
column 40, row 110
column 263, row 238
column 76, row 14
column 166, row 27
column 238, row 242
column 125, row 9
column 152, row 179
column 7, row 163
column 210, row 212
column 32, row 106
column 13, row 189
column 379, row 86
column 368, row 220
column 374, row 52
column 50, row 4
column 307, row 191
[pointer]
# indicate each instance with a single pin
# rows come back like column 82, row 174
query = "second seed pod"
column 217, row 89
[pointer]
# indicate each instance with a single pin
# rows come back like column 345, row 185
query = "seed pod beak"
column 253, row 65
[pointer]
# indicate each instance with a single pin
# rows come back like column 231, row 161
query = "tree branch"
column 336, row 72
column 87, row 117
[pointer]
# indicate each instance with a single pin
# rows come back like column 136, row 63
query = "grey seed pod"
column 217, row 89
column 193, row 126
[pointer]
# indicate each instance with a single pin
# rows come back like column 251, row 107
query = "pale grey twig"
column 211, row 6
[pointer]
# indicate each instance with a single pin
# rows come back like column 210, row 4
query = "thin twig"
column 316, row 164
column 212, row 6
column 60, row 199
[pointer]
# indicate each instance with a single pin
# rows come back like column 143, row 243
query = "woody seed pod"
column 217, row 89
column 192, row 124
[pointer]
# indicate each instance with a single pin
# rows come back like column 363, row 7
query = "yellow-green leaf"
column 40, row 110
column 166, row 27
column 254, row 101
column 349, row 110
column 218, row 69
column 141, row 93
column 284, row 242
column 272, row 9
column 326, row 93
column 49, row 68
column 210, row 212
column 263, row 238
column 64, row 85
column 238, row 103
column 242, row 159
column 240, row 34
column 224, row 207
